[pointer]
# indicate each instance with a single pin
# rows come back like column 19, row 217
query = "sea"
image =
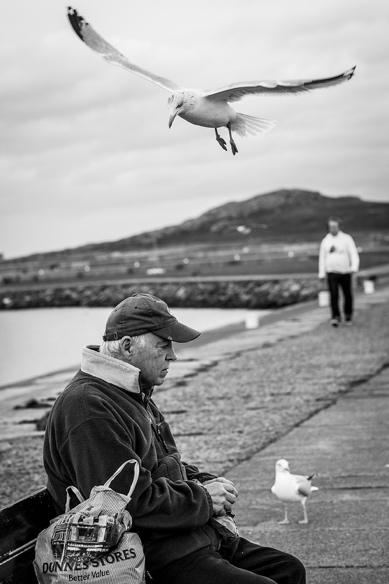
column 43, row 340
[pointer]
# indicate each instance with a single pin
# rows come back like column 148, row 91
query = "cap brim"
column 180, row 333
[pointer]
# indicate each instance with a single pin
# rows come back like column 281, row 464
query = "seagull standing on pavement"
column 290, row 488
column 210, row 109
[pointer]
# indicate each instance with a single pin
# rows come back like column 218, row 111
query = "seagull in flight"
column 290, row 487
column 210, row 109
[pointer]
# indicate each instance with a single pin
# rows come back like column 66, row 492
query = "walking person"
column 107, row 415
column 338, row 261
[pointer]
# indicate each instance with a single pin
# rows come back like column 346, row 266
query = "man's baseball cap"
column 144, row 313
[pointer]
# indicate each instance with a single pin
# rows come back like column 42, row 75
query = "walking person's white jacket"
column 338, row 253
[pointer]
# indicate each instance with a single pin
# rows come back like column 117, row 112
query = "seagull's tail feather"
column 244, row 124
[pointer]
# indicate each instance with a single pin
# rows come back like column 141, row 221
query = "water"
column 42, row 340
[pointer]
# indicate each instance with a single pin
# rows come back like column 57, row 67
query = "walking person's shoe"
column 348, row 322
column 334, row 321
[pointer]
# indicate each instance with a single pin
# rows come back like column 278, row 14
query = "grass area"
column 227, row 262
column 228, row 266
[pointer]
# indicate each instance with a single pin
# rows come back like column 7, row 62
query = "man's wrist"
column 209, row 499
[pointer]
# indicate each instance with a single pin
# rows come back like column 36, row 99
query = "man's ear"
column 126, row 346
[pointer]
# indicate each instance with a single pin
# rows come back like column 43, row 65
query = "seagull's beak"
column 172, row 117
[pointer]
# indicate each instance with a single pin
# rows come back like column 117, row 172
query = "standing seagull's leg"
column 234, row 149
column 305, row 520
column 221, row 140
column 285, row 520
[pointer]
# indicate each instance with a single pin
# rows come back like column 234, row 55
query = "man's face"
column 333, row 227
column 153, row 358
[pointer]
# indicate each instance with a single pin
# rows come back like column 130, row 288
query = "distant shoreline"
column 257, row 292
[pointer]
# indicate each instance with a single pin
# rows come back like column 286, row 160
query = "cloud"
column 86, row 153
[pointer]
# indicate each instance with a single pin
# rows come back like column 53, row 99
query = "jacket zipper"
column 156, row 427
column 162, row 439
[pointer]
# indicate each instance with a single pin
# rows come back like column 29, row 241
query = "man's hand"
column 223, row 494
column 222, row 480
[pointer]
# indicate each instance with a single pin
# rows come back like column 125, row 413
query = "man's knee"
column 295, row 570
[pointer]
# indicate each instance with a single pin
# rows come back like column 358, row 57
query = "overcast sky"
column 86, row 154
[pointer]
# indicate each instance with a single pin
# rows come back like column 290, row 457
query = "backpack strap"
column 119, row 470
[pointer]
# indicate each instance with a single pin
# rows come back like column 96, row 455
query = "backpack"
column 92, row 542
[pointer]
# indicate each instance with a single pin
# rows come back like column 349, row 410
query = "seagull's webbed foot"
column 234, row 148
column 221, row 140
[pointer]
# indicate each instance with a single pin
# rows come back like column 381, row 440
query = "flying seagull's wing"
column 91, row 38
column 236, row 91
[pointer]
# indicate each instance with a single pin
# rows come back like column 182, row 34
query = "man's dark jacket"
column 103, row 419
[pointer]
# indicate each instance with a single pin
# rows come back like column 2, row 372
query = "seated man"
column 106, row 416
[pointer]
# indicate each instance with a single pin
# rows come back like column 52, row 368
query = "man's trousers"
column 343, row 281
column 236, row 562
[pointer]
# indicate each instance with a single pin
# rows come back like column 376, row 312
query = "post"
column 252, row 320
column 368, row 286
column 324, row 298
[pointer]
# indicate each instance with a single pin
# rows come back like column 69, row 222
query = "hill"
column 286, row 215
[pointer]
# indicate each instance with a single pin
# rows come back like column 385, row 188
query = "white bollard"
column 252, row 320
column 324, row 298
column 368, row 286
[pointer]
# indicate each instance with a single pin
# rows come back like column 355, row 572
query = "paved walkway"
column 347, row 538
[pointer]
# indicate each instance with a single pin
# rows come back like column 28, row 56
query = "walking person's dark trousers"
column 238, row 562
column 343, row 281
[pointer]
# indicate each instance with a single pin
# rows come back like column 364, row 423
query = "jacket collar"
column 340, row 232
column 111, row 370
